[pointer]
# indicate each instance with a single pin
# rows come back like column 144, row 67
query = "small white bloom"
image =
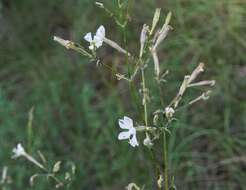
column 97, row 40
column 127, row 123
column 169, row 111
column 18, row 151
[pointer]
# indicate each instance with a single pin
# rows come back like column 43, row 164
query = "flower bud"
column 196, row 72
column 155, row 19
column 115, row 46
column 203, row 83
column 162, row 34
column 143, row 38
column 156, row 63
column 99, row 4
column 65, row 43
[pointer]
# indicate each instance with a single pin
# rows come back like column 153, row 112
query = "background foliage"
column 77, row 104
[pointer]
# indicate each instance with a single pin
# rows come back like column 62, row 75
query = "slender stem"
column 166, row 185
column 161, row 94
column 29, row 129
column 165, row 160
column 156, row 166
column 155, row 163
column 144, row 98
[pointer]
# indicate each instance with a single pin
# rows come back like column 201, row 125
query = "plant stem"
column 165, row 160
column 144, row 89
column 29, row 129
column 144, row 98
column 155, row 166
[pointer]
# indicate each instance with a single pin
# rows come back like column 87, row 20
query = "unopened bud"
column 156, row 63
column 143, row 38
column 65, row 43
column 99, row 4
column 155, row 19
column 203, row 83
column 162, row 34
column 168, row 18
column 115, row 46
column 196, row 72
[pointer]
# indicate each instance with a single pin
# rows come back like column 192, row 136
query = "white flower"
column 169, row 111
column 127, row 123
column 18, row 151
column 97, row 40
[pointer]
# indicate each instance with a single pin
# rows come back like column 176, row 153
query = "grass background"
column 77, row 104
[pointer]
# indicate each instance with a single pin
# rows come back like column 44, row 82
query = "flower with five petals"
column 127, row 123
column 97, row 40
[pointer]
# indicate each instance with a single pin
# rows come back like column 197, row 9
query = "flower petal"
column 98, row 41
column 132, row 130
column 88, row 37
column 123, row 125
column 133, row 141
column 100, row 32
column 128, row 121
column 124, row 135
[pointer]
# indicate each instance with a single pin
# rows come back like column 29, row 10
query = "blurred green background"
column 77, row 105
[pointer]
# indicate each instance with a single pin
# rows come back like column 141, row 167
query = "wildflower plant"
column 155, row 124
